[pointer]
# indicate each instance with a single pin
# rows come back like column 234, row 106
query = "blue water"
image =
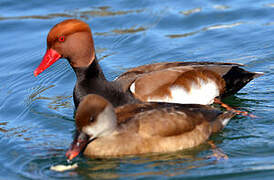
column 36, row 114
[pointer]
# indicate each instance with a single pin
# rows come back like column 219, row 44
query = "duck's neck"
column 91, row 80
column 93, row 71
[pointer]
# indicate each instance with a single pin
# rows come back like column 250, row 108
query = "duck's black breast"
column 110, row 91
column 91, row 80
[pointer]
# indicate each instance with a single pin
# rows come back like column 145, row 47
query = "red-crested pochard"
column 102, row 130
column 177, row 82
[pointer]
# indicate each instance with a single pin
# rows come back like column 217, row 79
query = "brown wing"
column 163, row 119
column 162, row 75
column 234, row 76
column 220, row 68
column 126, row 112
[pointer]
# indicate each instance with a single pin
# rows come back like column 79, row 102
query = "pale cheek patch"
column 88, row 130
column 198, row 94
column 105, row 124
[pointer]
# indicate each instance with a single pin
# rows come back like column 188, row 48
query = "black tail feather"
column 236, row 79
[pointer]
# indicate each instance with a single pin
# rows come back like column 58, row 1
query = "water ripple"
column 191, row 11
column 36, row 113
column 99, row 12
column 218, row 26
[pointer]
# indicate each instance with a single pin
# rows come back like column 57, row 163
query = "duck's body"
column 157, row 128
column 143, row 128
column 179, row 82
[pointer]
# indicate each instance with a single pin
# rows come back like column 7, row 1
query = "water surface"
column 36, row 114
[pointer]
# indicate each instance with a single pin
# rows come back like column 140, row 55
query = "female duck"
column 141, row 128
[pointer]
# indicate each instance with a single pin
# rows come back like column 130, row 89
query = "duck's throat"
column 93, row 71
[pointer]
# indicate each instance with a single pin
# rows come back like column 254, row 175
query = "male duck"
column 176, row 82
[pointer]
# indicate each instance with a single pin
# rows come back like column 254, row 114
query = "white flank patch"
column 203, row 94
column 132, row 88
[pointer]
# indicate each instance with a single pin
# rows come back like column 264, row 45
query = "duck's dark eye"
column 61, row 38
column 91, row 119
